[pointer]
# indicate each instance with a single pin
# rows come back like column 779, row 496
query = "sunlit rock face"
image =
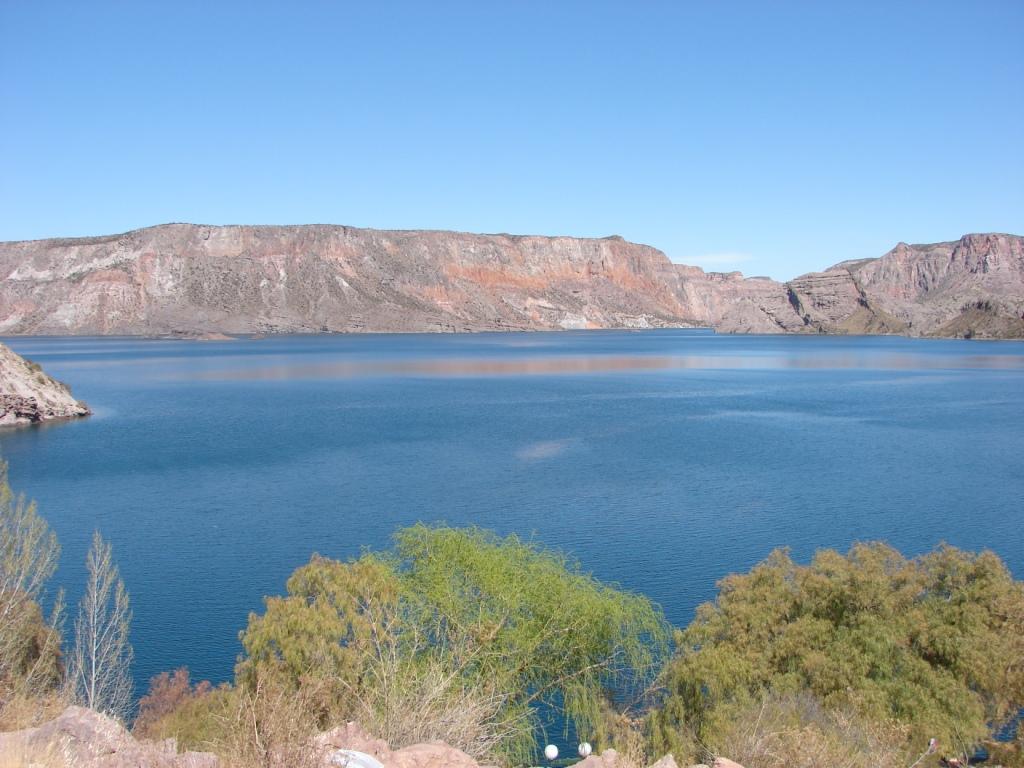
column 971, row 287
column 237, row 279
column 190, row 279
column 732, row 303
column 28, row 395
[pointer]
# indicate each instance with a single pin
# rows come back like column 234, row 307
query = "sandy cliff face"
column 264, row 279
column 182, row 277
column 971, row 287
column 28, row 395
column 732, row 303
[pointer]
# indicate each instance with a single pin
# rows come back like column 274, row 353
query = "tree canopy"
column 494, row 623
column 935, row 643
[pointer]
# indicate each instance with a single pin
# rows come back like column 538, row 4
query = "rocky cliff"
column 196, row 279
column 971, row 287
column 28, row 395
column 183, row 278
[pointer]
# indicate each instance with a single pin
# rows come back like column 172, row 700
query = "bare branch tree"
column 100, row 665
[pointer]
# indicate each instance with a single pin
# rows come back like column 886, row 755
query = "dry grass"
column 23, row 710
column 270, row 727
column 631, row 749
column 624, row 734
column 798, row 732
column 22, row 755
column 428, row 702
column 413, row 693
column 1009, row 754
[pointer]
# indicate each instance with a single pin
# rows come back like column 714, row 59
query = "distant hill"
column 194, row 279
column 971, row 287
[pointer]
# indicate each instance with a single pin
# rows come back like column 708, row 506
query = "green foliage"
column 35, row 647
column 321, row 631
column 472, row 622
column 194, row 715
column 1009, row 754
column 935, row 644
column 169, row 693
column 197, row 723
column 547, row 633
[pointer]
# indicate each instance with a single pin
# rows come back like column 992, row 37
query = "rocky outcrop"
column 732, row 303
column 191, row 281
column 611, row 759
column 971, row 287
column 349, row 745
column 28, row 395
column 85, row 739
column 81, row 738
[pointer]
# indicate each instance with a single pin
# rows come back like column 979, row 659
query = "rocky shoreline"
column 28, row 395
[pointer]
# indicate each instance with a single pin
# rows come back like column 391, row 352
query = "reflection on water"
column 549, row 366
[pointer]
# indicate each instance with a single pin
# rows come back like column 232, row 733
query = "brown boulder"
column 609, row 758
column 436, row 754
column 352, row 737
column 87, row 739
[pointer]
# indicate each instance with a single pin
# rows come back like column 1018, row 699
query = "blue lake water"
column 662, row 460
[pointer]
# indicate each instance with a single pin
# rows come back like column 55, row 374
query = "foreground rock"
column 352, row 738
column 190, row 281
column 611, row 759
column 28, row 395
column 85, row 739
column 81, row 738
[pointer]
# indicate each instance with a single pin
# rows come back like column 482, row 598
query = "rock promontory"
column 29, row 395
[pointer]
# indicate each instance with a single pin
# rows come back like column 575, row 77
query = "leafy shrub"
column 164, row 712
column 934, row 644
column 455, row 634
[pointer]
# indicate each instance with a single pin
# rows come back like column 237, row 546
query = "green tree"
column 456, row 621
column 320, row 633
column 540, row 628
column 935, row 643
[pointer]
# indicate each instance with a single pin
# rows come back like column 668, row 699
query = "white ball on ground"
column 550, row 751
column 585, row 749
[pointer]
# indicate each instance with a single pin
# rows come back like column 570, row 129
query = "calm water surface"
column 662, row 460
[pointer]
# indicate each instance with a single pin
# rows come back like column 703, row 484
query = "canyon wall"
column 193, row 279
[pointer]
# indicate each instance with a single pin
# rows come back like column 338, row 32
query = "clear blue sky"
column 772, row 137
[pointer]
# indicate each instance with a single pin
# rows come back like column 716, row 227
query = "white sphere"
column 585, row 749
column 550, row 751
